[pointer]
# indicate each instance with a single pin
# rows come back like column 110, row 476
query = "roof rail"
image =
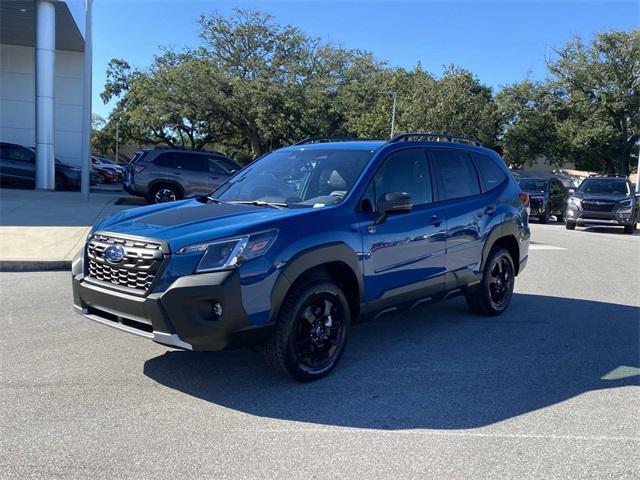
column 325, row 139
column 166, row 147
column 437, row 137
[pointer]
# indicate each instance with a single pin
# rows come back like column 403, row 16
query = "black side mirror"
column 392, row 203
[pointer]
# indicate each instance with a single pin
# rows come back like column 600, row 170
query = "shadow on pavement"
column 435, row 367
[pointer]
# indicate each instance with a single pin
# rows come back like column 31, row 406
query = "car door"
column 194, row 173
column 459, row 191
column 403, row 257
column 18, row 165
column 558, row 195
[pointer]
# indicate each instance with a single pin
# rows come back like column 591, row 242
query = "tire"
column 545, row 218
column 630, row 228
column 309, row 328
column 559, row 217
column 164, row 192
column 494, row 293
column 60, row 183
column 570, row 225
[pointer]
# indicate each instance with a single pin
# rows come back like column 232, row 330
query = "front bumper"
column 585, row 217
column 182, row 316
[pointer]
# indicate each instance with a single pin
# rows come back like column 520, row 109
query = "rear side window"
column 491, row 174
column 190, row 161
column 457, row 177
column 165, row 160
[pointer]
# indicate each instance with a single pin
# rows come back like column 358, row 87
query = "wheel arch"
column 163, row 181
column 505, row 238
column 335, row 262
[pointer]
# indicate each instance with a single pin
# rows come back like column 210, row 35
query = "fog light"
column 216, row 310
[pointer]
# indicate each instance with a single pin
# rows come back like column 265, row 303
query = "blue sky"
column 500, row 41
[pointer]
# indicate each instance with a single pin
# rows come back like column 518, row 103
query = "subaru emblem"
column 114, row 254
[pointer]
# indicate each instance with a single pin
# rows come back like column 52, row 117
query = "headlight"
column 625, row 203
column 574, row 201
column 224, row 254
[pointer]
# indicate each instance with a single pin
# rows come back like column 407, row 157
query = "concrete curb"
column 34, row 265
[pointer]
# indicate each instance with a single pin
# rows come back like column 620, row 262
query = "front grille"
column 136, row 271
column 535, row 203
column 598, row 205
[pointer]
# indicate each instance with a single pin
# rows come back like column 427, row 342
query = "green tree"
column 528, row 113
column 599, row 88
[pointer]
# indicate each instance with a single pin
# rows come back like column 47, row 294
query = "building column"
column 45, row 84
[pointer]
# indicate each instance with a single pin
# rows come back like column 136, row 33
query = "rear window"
column 491, row 174
column 457, row 177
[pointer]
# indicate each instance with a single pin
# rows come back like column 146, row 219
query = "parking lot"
column 548, row 390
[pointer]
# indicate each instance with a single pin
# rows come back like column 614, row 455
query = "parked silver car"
column 164, row 174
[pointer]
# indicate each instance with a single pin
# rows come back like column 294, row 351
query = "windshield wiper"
column 259, row 203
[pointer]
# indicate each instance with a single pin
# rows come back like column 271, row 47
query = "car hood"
column 600, row 196
column 190, row 221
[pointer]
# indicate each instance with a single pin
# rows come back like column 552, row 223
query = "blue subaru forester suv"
column 307, row 240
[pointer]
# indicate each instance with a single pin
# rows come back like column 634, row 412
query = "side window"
column 165, row 160
column 227, row 164
column 221, row 166
column 457, row 177
column 491, row 174
column 190, row 161
column 17, row 153
column 405, row 171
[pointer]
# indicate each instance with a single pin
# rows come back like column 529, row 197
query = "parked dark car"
column 18, row 168
column 604, row 200
column 305, row 241
column 165, row 174
column 548, row 196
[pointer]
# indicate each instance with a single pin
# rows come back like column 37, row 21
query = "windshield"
column 297, row 177
column 532, row 186
column 608, row 187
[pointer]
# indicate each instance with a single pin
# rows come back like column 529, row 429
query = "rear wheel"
column 311, row 330
column 494, row 294
column 164, row 193
column 570, row 225
column 559, row 217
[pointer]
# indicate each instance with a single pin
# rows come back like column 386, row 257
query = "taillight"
column 138, row 168
column 526, row 201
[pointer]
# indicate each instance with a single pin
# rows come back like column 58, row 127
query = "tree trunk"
column 256, row 149
column 624, row 161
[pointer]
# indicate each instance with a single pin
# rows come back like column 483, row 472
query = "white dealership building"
column 45, row 57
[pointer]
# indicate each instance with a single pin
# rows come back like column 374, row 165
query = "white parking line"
column 539, row 246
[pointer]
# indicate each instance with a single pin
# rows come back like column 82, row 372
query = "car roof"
column 348, row 145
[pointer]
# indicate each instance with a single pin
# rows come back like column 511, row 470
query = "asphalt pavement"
column 548, row 390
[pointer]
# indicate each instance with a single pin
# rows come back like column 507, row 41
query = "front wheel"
column 494, row 293
column 545, row 216
column 629, row 228
column 570, row 225
column 311, row 330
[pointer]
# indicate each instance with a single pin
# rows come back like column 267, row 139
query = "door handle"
column 178, row 172
column 435, row 220
column 489, row 211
